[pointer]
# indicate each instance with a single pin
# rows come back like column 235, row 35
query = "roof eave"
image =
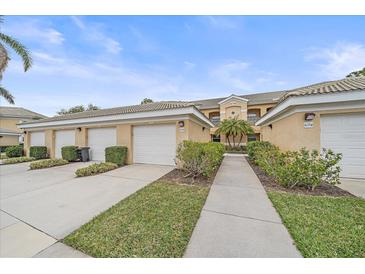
column 121, row 117
column 275, row 113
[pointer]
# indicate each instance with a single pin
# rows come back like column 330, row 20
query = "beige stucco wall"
column 10, row 124
column 198, row 133
column 289, row 133
column 7, row 140
column 191, row 131
column 240, row 108
column 125, row 138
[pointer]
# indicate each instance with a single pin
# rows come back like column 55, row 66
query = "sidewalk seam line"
column 242, row 217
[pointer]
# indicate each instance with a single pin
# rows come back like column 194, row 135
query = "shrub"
column 253, row 147
column 302, row 168
column 17, row 160
column 200, row 158
column 308, row 169
column 14, row 151
column 236, row 149
column 116, row 155
column 2, row 148
column 38, row 152
column 47, row 163
column 95, row 169
column 69, row 153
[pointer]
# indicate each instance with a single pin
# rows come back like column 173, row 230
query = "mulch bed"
column 178, row 176
column 322, row 190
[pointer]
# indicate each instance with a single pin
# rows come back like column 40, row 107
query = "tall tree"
column 78, row 108
column 357, row 73
column 7, row 42
column 146, row 101
column 234, row 128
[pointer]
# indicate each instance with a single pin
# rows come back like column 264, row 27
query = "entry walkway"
column 238, row 219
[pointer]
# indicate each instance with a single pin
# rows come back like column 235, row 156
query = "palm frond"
column 7, row 95
column 21, row 50
column 4, row 60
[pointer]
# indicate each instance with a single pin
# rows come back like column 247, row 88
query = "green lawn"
column 323, row 226
column 156, row 221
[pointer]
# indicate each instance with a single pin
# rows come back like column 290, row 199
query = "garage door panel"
column 63, row 138
column 37, row 138
column 154, row 144
column 99, row 139
column 345, row 133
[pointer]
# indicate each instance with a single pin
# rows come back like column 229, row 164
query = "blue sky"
column 119, row 60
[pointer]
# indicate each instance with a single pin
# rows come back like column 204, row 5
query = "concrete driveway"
column 40, row 207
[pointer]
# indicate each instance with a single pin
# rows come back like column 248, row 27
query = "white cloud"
column 221, row 22
column 189, row 65
column 339, row 60
column 244, row 76
column 36, row 31
column 143, row 42
column 93, row 32
column 231, row 73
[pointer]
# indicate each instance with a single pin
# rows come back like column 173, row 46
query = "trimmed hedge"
column 69, row 153
column 95, row 169
column 47, row 163
column 200, row 158
column 2, row 148
column 38, row 152
column 14, row 151
column 116, row 155
column 301, row 168
column 17, row 160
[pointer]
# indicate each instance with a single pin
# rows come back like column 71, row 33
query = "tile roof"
column 253, row 99
column 343, row 85
column 19, row 112
column 164, row 105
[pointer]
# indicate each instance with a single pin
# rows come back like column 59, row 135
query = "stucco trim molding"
column 233, row 97
column 280, row 110
column 10, row 134
column 160, row 114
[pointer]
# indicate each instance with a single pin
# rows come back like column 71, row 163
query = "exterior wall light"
column 309, row 116
column 181, row 124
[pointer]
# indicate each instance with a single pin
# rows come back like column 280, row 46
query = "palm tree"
column 234, row 127
column 7, row 42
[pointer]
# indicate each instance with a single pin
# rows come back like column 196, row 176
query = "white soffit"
column 121, row 117
column 280, row 109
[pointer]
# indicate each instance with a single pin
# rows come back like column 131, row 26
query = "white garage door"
column 37, row 138
column 99, row 139
column 63, row 138
column 154, row 144
column 345, row 133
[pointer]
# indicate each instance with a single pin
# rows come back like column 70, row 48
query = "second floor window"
column 252, row 117
column 215, row 118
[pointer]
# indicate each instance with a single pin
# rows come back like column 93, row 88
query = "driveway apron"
column 41, row 207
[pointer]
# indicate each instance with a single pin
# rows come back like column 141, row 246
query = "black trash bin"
column 84, row 154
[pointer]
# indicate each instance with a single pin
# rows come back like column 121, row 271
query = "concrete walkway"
column 238, row 219
column 354, row 186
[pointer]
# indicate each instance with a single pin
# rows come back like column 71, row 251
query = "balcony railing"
column 252, row 119
column 215, row 120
